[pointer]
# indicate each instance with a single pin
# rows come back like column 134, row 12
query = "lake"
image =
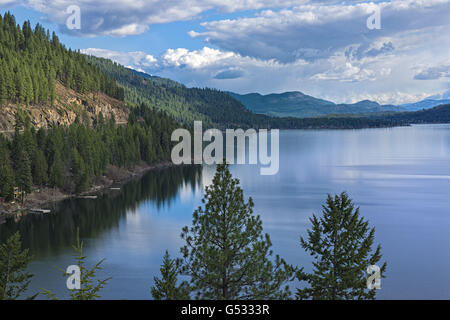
column 400, row 178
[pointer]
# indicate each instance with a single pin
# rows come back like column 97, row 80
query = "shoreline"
column 45, row 197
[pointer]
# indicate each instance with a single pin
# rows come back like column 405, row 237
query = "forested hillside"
column 213, row 107
column 71, row 157
column 31, row 61
column 62, row 109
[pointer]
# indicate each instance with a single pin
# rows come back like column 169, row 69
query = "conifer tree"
column 227, row 256
column 6, row 180
column 340, row 242
column 56, row 172
column 78, row 172
column 166, row 288
column 90, row 287
column 24, row 178
column 40, row 168
column 3, row 92
column 14, row 279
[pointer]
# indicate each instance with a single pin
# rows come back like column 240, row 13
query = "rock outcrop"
column 68, row 104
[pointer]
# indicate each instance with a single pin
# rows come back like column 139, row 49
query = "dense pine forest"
column 31, row 61
column 71, row 157
column 68, row 158
column 211, row 106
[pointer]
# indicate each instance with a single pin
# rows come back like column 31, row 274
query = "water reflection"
column 51, row 234
column 400, row 177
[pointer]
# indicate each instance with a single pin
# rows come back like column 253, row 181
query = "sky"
column 391, row 52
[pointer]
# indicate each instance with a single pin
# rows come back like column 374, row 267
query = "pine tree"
column 3, row 88
column 79, row 174
column 340, row 242
column 6, row 180
column 40, row 168
column 56, row 172
column 166, row 288
column 51, row 86
column 14, row 279
column 24, row 178
column 226, row 254
column 90, row 287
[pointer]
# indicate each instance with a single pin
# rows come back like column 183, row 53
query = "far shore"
column 42, row 198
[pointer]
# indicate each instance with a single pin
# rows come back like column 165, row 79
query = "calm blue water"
column 400, row 177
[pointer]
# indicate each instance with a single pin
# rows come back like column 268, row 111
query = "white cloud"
column 125, row 17
column 434, row 72
column 314, row 31
column 137, row 60
column 322, row 48
column 6, row 3
column 341, row 79
column 130, row 29
column 195, row 59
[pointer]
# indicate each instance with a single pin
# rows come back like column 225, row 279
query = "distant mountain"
column 424, row 104
column 214, row 107
column 441, row 96
column 430, row 102
column 367, row 106
column 439, row 114
column 299, row 105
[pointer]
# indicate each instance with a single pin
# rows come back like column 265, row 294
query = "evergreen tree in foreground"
column 166, row 288
column 14, row 280
column 89, row 286
column 227, row 256
column 341, row 244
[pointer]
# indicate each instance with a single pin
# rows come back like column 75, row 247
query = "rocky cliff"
column 68, row 104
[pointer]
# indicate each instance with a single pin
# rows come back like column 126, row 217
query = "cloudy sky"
column 329, row 49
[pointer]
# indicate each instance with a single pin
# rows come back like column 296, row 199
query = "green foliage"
column 71, row 157
column 32, row 61
column 14, row 279
column 79, row 172
column 56, row 172
column 23, row 173
column 89, row 286
column 341, row 244
column 39, row 168
column 6, row 181
column 166, row 288
column 6, row 171
column 226, row 254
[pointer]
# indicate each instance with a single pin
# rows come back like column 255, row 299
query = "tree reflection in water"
column 50, row 234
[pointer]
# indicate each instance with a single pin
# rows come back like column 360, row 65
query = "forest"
column 71, row 157
column 32, row 60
